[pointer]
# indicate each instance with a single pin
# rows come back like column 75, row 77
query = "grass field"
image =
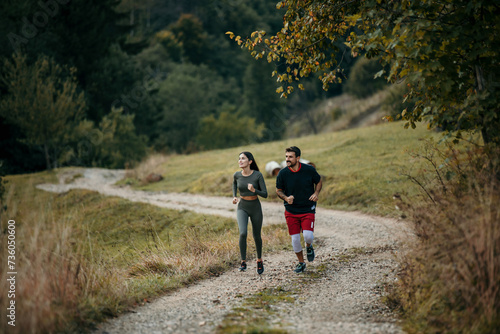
column 362, row 168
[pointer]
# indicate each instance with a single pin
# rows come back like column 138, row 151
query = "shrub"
column 450, row 280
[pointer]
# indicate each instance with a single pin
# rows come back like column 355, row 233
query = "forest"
column 102, row 83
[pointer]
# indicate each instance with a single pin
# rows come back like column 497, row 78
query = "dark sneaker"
column 300, row 267
column 310, row 253
column 243, row 266
column 260, row 267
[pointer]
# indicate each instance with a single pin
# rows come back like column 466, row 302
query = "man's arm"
column 281, row 194
column 317, row 190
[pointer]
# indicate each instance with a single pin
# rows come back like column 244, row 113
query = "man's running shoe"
column 243, row 266
column 300, row 267
column 310, row 253
column 260, row 267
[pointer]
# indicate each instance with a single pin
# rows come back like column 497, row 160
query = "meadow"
column 361, row 168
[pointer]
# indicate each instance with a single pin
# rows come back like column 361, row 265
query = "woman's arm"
column 262, row 191
column 235, row 189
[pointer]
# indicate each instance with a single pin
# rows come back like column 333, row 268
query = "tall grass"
column 150, row 164
column 450, row 281
column 82, row 257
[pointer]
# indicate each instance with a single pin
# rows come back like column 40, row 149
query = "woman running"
column 250, row 182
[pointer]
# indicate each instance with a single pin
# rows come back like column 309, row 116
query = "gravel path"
column 339, row 292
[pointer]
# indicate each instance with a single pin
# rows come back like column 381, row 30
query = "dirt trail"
column 345, row 298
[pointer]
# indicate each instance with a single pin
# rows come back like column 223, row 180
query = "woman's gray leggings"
column 253, row 210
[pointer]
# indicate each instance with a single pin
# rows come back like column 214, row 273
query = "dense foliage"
column 447, row 52
column 166, row 65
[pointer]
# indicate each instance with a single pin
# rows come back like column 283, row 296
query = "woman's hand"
column 251, row 188
column 235, row 200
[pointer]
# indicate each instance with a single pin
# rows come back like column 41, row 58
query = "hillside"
column 362, row 168
column 339, row 113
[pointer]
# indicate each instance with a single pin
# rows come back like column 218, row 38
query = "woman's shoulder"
column 258, row 173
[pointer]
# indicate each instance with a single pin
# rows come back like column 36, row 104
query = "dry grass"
column 54, row 283
column 341, row 113
column 81, row 257
column 151, row 164
column 201, row 252
column 450, row 281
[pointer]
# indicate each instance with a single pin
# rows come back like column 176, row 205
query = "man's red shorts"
column 300, row 222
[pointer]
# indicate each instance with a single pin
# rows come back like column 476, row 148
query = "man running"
column 298, row 185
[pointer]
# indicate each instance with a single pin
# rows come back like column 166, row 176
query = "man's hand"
column 314, row 197
column 289, row 199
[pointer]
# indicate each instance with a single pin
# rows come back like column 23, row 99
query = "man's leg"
column 297, row 247
column 307, row 225
column 293, row 222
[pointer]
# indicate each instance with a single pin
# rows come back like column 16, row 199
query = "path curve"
column 345, row 300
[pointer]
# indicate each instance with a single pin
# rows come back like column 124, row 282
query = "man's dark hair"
column 294, row 149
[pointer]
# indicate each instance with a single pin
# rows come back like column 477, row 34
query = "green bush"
column 228, row 129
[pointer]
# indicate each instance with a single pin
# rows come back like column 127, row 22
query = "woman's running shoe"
column 243, row 266
column 260, row 267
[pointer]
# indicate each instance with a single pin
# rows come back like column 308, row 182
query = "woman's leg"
column 256, row 217
column 242, row 218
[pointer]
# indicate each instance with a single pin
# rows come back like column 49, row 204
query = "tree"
column 188, row 94
column 43, row 101
column 188, row 30
column 76, row 33
column 118, row 143
column 446, row 51
column 229, row 129
column 260, row 102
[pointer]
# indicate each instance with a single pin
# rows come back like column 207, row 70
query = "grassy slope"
column 361, row 167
